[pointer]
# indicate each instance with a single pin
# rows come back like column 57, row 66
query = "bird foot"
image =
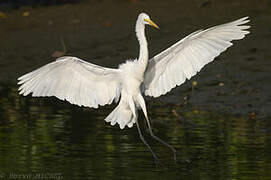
column 158, row 163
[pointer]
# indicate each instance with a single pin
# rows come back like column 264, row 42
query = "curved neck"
column 143, row 51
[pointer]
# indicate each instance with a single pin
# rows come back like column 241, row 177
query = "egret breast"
column 132, row 77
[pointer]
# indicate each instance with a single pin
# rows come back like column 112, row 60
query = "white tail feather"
column 122, row 115
column 126, row 112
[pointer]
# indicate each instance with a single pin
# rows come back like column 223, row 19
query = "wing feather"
column 185, row 58
column 74, row 80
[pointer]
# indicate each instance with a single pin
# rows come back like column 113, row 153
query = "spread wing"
column 184, row 59
column 74, row 80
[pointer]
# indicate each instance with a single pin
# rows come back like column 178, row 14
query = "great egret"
column 86, row 84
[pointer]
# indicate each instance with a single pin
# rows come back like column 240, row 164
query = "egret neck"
column 143, row 51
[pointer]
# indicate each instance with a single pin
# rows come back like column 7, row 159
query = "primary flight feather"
column 86, row 84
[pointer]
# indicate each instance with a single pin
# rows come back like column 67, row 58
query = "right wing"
column 184, row 59
column 74, row 80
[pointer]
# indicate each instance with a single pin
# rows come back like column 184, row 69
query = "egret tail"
column 122, row 115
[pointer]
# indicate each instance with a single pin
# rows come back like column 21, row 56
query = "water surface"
column 45, row 135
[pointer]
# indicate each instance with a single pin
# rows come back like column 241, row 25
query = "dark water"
column 46, row 137
column 16, row 4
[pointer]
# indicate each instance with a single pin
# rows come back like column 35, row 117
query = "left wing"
column 184, row 59
column 74, row 80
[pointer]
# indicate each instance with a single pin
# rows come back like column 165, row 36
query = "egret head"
column 145, row 19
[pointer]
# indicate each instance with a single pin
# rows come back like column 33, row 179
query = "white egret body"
column 86, row 84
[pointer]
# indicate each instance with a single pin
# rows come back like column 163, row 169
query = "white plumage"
column 74, row 80
column 184, row 59
column 86, row 84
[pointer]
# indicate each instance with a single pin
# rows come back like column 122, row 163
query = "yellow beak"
column 151, row 23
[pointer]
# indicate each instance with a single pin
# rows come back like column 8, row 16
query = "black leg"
column 161, row 141
column 156, row 160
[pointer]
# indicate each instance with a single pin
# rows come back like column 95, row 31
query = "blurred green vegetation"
column 46, row 135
